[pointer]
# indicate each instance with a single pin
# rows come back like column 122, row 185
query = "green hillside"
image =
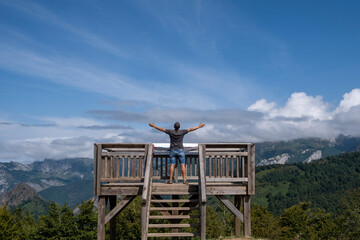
column 72, row 193
column 36, row 206
column 323, row 182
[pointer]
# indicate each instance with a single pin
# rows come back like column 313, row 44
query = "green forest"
column 320, row 200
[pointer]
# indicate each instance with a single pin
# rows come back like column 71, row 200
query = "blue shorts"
column 177, row 154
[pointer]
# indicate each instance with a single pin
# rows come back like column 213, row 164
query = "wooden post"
column 101, row 218
column 202, row 191
column 95, row 168
column 203, row 221
column 238, row 223
column 251, row 169
column 112, row 201
column 247, row 219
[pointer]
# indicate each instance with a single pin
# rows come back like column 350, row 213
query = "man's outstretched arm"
column 156, row 127
column 195, row 128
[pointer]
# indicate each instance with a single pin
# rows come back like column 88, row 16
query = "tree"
column 349, row 216
column 86, row 221
column 263, row 223
column 58, row 224
column 9, row 229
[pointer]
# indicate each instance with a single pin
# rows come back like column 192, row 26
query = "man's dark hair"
column 177, row 126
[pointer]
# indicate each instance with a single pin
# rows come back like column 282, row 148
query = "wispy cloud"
column 92, row 39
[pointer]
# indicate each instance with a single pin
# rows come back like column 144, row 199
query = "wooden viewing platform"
column 126, row 171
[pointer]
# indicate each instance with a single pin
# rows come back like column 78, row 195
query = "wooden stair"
column 167, row 213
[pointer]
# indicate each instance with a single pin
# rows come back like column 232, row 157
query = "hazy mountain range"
column 71, row 180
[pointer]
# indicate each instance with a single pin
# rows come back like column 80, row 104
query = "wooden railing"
column 230, row 162
column 119, row 163
column 161, row 166
column 227, row 162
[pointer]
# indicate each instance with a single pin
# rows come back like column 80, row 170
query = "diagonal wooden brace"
column 231, row 207
column 119, row 207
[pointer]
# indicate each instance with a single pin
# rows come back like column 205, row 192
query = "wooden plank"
column 184, row 225
column 231, row 207
column 122, row 179
column 147, row 178
column 209, row 180
column 95, row 169
column 108, row 191
column 117, row 163
column 251, row 175
column 209, row 168
column 238, row 167
column 123, row 166
column 221, row 166
column 128, row 165
column 113, row 164
column 202, row 181
column 99, row 170
column 123, row 145
column 173, row 216
column 173, row 200
column 210, row 153
column 238, row 224
column 172, row 208
column 115, row 210
column 103, row 167
column 226, row 190
column 133, row 166
column 112, row 201
column 225, row 145
column 203, row 220
column 247, row 216
column 122, row 184
column 243, row 167
column 101, row 218
column 180, row 234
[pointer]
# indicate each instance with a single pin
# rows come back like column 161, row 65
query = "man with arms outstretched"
column 176, row 146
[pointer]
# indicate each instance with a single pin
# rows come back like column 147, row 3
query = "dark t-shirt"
column 176, row 138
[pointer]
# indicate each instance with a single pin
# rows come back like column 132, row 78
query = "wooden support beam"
column 237, row 201
column 98, row 169
column 231, row 207
column 203, row 221
column 112, row 201
column 247, row 219
column 101, row 218
column 251, row 169
column 118, row 208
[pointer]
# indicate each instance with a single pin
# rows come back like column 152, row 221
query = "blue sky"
column 77, row 72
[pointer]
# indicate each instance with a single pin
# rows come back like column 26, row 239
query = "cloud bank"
column 301, row 116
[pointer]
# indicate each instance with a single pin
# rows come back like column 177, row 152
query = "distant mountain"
column 24, row 196
column 41, row 175
column 303, row 150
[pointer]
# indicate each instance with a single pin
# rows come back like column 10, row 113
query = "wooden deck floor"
column 174, row 188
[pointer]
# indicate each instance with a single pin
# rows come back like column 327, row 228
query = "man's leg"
column 183, row 171
column 172, row 167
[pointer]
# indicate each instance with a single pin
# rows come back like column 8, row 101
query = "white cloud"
column 349, row 100
column 262, row 106
column 301, row 105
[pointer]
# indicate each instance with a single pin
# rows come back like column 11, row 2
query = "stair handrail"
column 148, row 174
column 146, row 194
column 202, row 181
